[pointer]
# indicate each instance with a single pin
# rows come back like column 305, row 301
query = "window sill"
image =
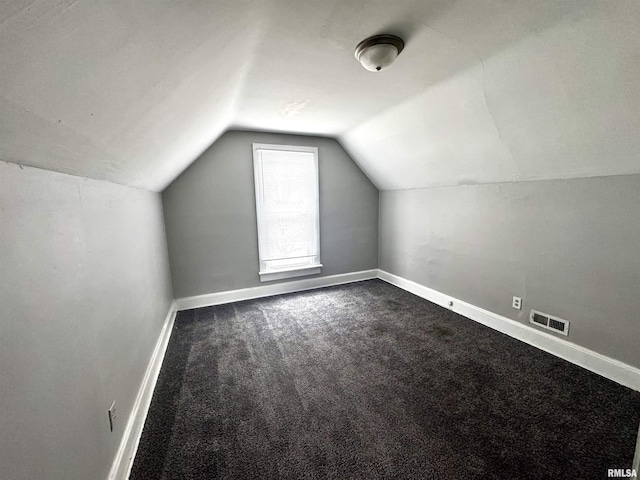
column 290, row 273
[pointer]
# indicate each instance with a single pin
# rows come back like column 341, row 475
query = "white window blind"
column 287, row 206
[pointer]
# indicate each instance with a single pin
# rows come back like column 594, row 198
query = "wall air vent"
column 549, row 322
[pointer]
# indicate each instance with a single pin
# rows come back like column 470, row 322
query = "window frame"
column 287, row 272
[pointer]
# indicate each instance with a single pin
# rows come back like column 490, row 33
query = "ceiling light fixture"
column 378, row 52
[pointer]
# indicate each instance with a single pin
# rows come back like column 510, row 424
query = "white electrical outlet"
column 112, row 416
column 517, row 303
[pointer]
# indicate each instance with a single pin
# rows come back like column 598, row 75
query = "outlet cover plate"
column 112, row 416
column 517, row 303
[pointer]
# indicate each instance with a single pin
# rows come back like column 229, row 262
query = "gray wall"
column 84, row 292
column 570, row 248
column 210, row 215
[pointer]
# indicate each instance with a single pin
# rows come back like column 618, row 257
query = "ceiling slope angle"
column 128, row 92
column 563, row 102
column 133, row 92
column 303, row 77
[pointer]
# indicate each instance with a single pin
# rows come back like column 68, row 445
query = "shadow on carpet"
column 366, row 381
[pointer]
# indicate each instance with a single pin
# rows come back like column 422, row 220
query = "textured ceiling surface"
column 485, row 90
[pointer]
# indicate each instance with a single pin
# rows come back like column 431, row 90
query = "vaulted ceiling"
column 485, row 91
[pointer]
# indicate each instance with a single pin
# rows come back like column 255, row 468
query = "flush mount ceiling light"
column 378, row 52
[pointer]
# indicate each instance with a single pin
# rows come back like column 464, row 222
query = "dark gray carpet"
column 367, row 381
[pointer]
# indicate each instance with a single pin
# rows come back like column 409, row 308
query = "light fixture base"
column 378, row 52
column 377, row 40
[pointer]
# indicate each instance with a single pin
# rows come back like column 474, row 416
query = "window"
column 287, row 206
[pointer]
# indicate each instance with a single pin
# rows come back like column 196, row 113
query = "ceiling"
column 485, row 90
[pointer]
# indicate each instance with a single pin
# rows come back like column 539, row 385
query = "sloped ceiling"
column 485, row 90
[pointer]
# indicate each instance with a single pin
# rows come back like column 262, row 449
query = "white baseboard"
column 210, row 299
column 636, row 458
column 123, row 461
column 602, row 365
